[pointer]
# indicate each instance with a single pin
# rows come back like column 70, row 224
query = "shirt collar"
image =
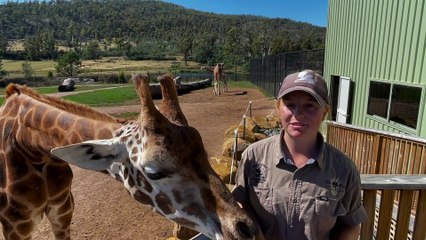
column 319, row 158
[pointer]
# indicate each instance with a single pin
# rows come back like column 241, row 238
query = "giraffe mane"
column 62, row 104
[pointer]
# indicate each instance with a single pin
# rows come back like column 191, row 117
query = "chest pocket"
column 328, row 207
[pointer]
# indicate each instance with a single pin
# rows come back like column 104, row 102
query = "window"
column 378, row 100
column 395, row 102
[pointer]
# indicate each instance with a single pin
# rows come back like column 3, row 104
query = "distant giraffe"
column 159, row 158
column 219, row 77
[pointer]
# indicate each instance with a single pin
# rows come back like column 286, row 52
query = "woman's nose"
column 298, row 110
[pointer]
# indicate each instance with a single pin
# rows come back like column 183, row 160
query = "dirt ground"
column 103, row 208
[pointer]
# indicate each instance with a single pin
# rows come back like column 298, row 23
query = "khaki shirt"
column 303, row 203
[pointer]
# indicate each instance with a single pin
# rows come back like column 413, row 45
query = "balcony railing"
column 378, row 152
column 393, row 180
column 390, row 218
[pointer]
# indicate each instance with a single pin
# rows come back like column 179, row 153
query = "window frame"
column 387, row 121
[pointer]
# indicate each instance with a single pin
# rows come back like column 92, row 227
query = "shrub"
column 50, row 74
column 121, row 77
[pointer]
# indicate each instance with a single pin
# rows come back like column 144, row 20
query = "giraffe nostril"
column 244, row 230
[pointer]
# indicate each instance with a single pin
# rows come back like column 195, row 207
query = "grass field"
column 110, row 97
column 104, row 65
column 106, row 97
column 79, row 88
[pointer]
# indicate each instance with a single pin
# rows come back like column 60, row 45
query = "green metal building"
column 375, row 64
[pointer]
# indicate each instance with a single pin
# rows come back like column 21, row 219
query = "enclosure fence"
column 268, row 72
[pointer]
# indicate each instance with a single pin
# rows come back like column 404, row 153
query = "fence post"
column 244, row 126
column 234, row 155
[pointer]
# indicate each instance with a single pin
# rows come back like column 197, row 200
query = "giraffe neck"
column 38, row 126
column 31, row 180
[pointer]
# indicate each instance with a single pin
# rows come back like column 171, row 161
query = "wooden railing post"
column 385, row 214
column 377, row 153
column 369, row 202
column 419, row 231
column 404, row 213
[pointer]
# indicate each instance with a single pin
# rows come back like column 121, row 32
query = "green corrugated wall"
column 377, row 40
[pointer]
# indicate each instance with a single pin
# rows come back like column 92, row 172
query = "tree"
column 49, row 74
column 123, row 45
column 2, row 71
column 41, row 46
column 234, row 46
column 264, row 38
column 185, row 47
column 92, row 51
column 306, row 43
column 69, row 64
column 27, row 69
column 121, row 77
column 281, row 45
column 32, row 46
column 205, row 49
column 48, row 45
column 3, row 46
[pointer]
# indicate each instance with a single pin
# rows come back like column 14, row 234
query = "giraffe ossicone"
column 162, row 162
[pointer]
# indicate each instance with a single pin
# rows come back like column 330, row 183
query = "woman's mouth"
column 297, row 124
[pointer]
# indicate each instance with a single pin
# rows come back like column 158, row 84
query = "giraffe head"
column 219, row 67
column 162, row 162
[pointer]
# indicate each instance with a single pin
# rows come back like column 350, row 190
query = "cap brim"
column 305, row 89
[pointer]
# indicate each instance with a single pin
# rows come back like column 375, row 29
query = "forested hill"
column 169, row 26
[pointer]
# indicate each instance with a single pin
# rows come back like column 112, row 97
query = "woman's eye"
column 290, row 105
column 310, row 107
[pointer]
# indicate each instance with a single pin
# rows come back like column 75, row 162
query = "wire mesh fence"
column 268, row 72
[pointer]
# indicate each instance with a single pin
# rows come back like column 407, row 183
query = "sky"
column 310, row 11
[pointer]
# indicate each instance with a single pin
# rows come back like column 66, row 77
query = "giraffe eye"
column 156, row 176
column 153, row 174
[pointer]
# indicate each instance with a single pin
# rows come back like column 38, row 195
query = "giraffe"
column 218, row 76
column 32, row 183
column 147, row 155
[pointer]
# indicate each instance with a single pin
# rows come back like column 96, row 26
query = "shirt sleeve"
column 240, row 191
column 356, row 213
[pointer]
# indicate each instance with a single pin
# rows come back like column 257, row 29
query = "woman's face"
column 301, row 115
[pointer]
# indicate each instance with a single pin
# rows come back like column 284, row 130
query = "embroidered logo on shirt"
column 335, row 185
column 258, row 175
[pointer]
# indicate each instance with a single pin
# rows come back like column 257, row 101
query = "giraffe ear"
column 96, row 155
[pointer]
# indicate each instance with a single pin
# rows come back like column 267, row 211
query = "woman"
column 296, row 185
